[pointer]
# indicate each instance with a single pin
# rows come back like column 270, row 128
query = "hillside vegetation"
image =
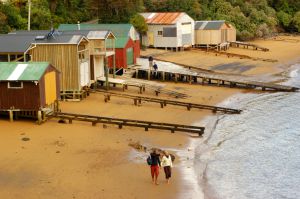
column 252, row 18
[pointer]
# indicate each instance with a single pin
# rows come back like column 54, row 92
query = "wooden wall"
column 204, row 37
column 50, row 88
column 214, row 37
column 65, row 59
column 26, row 98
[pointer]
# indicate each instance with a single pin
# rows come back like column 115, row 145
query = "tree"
column 140, row 25
column 296, row 21
column 119, row 11
column 284, row 19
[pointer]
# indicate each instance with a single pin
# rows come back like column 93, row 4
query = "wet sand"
column 81, row 161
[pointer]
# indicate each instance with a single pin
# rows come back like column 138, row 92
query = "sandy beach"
column 81, row 161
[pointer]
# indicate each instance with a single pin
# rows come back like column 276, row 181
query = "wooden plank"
column 127, row 122
column 164, row 102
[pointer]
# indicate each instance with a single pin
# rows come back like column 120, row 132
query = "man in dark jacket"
column 155, row 165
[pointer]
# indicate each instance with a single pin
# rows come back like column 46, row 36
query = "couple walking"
column 156, row 164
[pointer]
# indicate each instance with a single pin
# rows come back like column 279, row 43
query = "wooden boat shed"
column 68, row 53
column 28, row 88
column 169, row 30
column 213, row 33
column 127, row 42
column 101, row 48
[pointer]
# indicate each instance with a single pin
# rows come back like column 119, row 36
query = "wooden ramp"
column 158, row 88
column 247, row 45
column 127, row 122
column 210, row 78
column 163, row 102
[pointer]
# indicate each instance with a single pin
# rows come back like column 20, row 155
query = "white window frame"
column 160, row 31
column 12, row 87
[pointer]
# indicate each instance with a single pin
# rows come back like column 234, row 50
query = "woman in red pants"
column 155, row 166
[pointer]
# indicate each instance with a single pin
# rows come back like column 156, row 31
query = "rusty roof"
column 162, row 18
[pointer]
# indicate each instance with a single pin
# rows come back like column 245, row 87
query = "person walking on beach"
column 155, row 166
column 155, row 67
column 150, row 59
column 166, row 163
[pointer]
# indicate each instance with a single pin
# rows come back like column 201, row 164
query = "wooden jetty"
column 158, row 88
column 247, row 45
column 209, row 78
column 163, row 102
column 127, row 122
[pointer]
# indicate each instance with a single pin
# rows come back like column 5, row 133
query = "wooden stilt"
column 39, row 117
column 11, row 116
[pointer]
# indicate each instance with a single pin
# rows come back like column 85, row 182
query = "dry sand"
column 285, row 50
column 80, row 161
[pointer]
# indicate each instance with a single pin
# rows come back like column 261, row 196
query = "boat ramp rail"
column 128, row 122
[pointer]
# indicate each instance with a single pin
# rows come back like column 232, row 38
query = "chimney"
column 78, row 25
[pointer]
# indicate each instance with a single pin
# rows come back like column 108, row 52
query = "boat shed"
column 213, row 33
column 101, row 48
column 15, row 49
column 68, row 53
column 28, row 87
column 169, row 30
column 127, row 42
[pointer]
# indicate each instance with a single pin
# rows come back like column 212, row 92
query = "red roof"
column 162, row 17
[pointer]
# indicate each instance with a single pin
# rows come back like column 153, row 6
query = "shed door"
column 50, row 88
column 150, row 38
column 129, row 56
column 84, row 74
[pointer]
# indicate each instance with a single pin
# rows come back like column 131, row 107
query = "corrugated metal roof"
column 90, row 34
column 19, row 43
column 163, row 18
column 119, row 30
column 60, row 39
column 15, row 43
column 27, row 71
column 208, row 25
column 121, row 42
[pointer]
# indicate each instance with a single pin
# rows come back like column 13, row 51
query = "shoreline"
column 80, row 161
column 199, row 147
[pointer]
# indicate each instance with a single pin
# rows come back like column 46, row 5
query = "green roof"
column 119, row 30
column 18, row 71
column 121, row 42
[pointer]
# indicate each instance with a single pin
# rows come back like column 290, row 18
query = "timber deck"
column 163, row 102
column 127, row 122
column 209, row 78
column 247, row 45
column 158, row 88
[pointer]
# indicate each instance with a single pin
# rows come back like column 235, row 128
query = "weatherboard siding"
column 26, row 98
column 65, row 59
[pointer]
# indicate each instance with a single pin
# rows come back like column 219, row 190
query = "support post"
column 39, row 117
column 11, row 116
column 106, row 73
column 114, row 66
column 149, row 74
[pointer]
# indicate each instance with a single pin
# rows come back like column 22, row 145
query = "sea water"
column 255, row 154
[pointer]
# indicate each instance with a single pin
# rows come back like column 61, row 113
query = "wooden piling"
column 11, row 115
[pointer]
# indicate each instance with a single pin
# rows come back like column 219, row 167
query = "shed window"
column 15, row 85
column 159, row 33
